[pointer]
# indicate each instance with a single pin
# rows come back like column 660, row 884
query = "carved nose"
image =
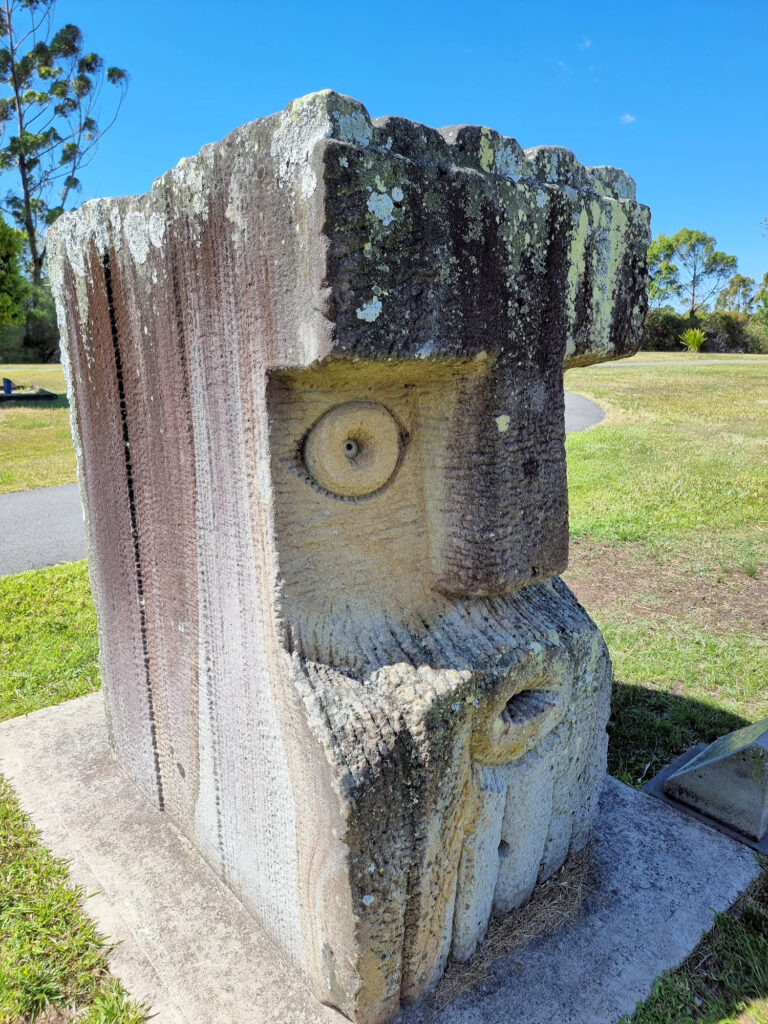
column 497, row 491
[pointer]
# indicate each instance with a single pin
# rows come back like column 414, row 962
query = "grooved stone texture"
column 316, row 380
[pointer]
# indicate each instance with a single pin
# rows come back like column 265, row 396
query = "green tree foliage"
column 761, row 300
column 41, row 338
column 663, row 283
column 738, row 296
column 13, row 287
column 686, row 266
column 47, row 115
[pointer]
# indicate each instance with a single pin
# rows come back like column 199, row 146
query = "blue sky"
column 676, row 93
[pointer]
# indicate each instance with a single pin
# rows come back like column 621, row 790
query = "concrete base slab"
column 188, row 948
column 186, row 944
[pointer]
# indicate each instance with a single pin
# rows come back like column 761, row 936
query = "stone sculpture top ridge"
column 330, row 115
column 411, row 242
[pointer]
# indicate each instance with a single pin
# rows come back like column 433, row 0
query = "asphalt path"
column 40, row 527
column 45, row 526
column 580, row 413
column 686, row 362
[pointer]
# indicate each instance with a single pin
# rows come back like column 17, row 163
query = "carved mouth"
column 529, row 708
column 526, row 718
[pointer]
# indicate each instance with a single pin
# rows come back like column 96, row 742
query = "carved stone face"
column 324, row 554
column 385, row 569
column 387, row 480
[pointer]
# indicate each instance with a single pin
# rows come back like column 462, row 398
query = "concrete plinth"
column 187, row 946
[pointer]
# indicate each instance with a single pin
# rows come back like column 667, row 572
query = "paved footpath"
column 684, row 362
column 45, row 526
column 40, row 527
column 580, row 413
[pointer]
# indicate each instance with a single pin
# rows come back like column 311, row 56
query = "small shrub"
column 662, row 329
column 725, row 331
column 757, row 337
column 693, row 339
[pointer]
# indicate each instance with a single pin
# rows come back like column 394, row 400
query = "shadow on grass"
column 725, row 979
column 60, row 402
column 649, row 728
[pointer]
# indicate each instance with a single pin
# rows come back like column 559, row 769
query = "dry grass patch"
column 608, row 578
column 554, row 905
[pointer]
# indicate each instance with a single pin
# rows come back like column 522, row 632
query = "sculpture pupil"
column 351, row 448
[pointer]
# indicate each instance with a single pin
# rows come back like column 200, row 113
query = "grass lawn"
column 669, row 517
column 692, row 357
column 35, row 442
column 48, row 650
column 51, row 956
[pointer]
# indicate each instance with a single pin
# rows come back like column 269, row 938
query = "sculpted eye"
column 353, row 449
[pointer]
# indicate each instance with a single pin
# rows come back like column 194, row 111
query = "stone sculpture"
column 317, row 387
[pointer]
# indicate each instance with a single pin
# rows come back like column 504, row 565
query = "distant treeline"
column 724, row 331
column 687, row 270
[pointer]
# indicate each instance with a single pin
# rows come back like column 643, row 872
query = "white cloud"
column 564, row 67
column 585, row 43
column 627, row 119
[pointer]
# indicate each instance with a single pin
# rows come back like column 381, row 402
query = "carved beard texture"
column 453, row 778
column 457, row 743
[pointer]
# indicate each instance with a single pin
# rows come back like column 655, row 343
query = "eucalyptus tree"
column 687, row 266
column 738, row 296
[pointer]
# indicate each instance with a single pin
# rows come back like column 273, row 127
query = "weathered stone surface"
column 316, row 380
column 728, row 780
